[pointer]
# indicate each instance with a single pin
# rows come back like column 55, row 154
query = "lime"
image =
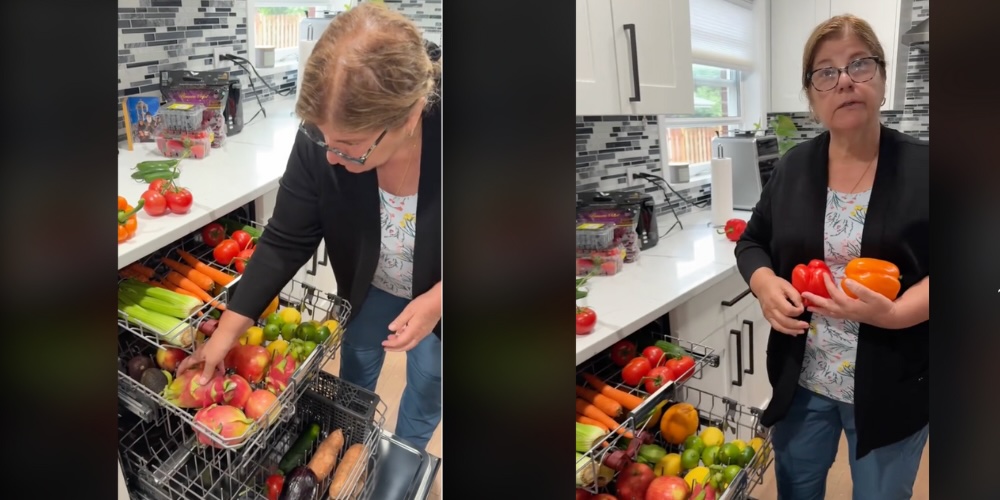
column 710, row 456
column 690, row 459
column 729, row 454
column 739, row 444
column 712, row 436
column 306, row 331
column 746, row 456
column 288, row 331
column 290, row 315
column 322, row 333
column 307, row 348
column 275, row 319
column 271, row 332
column 694, row 443
column 728, row 474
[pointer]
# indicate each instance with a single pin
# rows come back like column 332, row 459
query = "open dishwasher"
column 171, row 448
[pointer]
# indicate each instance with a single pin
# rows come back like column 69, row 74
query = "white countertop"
column 682, row 265
column 248, row 165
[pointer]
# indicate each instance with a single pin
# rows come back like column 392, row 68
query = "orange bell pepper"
column 127, row 223
column 879, row 276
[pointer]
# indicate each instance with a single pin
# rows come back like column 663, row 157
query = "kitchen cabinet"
column 633, row 57
column 792, row 21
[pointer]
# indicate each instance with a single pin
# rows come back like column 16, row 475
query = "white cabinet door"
column 715, row 380
column 756, row 390
column 653, row 47
column 264, row 206
column 596, row 67
column 792, row 21
column 883, row 16
column 710, row 310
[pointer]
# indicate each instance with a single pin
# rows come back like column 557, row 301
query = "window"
column 275, row 23
column 722, row 51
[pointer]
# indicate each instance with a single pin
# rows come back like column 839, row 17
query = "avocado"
column 154, row 379
column 138, row 365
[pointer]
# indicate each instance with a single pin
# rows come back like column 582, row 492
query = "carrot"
column 628, row 401
column 203, row 281
column 213, row 273
column 141, row 270
column 182, row 282
column 590, row 411
column 609, row 406
column 174, row 288
column 589, row 421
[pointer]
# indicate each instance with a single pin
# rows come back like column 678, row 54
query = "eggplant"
column 300, row 484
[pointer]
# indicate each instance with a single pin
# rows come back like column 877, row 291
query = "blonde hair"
column 367, row 71
column 838, row 27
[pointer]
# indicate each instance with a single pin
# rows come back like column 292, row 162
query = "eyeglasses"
column 860, row 71
column 315, row 135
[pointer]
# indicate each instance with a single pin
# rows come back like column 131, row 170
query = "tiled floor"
column 390, row 389
column 838, row 483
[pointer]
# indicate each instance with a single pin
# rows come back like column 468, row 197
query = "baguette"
column 325, row 459
column 351, row 459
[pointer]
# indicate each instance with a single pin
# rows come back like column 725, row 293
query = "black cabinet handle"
column 635, row 64
column 734, row 300
column 749, row 371
column 739, row 357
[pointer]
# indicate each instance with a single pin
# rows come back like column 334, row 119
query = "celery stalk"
column 159, row 300
column 172, row 330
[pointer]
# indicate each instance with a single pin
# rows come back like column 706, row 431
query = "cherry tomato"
column 179, row 200
column 585, row 320
column 225, row 252
column 622, row 352
column 684, row 368
column 156, row 203
column 634, row 371
column 240, row 262
column 159, row 185
column 213, row 234
column 242, row 238
column 653, row 354
column 658, row 377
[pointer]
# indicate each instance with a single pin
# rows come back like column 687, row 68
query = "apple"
column 634, row 480
column 582, row 494
column 259, row 403
column 249, row 362
column 603, row 496
column 667, row 488
column 168, row 358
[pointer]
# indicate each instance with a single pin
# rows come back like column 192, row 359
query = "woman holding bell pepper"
column 837, row 252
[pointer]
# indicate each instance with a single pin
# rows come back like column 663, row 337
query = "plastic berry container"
column 607, row 262
column 595, row 235
column 182, row 117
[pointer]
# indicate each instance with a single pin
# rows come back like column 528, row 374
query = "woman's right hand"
column 779, row 301
column 210, row 356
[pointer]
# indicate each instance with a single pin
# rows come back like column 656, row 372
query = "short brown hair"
column 367, row 71
column 837, row 27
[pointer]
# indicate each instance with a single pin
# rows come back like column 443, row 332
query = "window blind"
column 722, row 33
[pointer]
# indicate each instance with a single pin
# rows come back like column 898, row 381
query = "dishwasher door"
column 402, row 472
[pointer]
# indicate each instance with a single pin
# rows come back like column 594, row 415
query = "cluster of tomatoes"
column 164, row 196
column 653, row 366
column 235, row 250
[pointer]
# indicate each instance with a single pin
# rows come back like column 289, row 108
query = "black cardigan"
column 317, row 201
column 786, row 228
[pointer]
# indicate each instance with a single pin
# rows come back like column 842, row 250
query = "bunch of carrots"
column 602, row 404
column 191, row 277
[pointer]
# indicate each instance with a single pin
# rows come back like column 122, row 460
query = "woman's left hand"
column 415, row 322
column 870, row 307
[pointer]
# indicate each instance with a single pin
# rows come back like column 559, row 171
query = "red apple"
column 249, row 362
column 667, row 488
column 169, row 357
column 604, row 496
column 582, row 494
column 260, row 403
column 634, row 480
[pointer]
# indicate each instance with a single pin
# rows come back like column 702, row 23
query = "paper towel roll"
column 722, row 191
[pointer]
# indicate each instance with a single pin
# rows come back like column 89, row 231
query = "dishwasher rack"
column 159, row 464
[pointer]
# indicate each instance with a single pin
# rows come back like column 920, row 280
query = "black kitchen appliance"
column 641, row 203
column 234, row 108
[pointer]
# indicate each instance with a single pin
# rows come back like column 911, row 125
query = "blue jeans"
column 806, row 443
column 362, row 354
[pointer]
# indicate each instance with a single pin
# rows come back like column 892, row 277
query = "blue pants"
column 362, row 354
column 805, row 446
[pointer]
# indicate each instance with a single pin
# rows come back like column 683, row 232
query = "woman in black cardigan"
column 364, row 175
column 838, row 364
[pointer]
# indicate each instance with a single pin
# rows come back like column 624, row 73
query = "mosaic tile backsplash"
column 155, row 35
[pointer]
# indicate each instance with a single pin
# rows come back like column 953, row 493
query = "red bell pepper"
column 274, row 485
column 734, row 229
column 809, row 278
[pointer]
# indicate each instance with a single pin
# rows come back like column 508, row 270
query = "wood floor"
column 390, row 390
column 838, row 483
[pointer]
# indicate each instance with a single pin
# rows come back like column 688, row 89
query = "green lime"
column 307, row 348
column 322, row 333
column 710, row 456
column 306, row 331
column 729, row 474
column 271, row 332
column 274, row 319
column 690, row 459
column 694, row 442
column 746, row 456
column 288, row 331
column 729, row 454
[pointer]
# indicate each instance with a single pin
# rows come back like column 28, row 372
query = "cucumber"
column 296, row 454
column 232, row 225
column 156, row 164
column 674, row 351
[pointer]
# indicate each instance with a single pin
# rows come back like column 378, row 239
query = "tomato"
column 653, row 354
column 684, row 368
column 225, row 252
column 242, row 238
column 586, row 318
column 179, row 200
column 622, row 352
column 156, row 203
column 658, row 377
column 213, row 234
column 240, row 262
column 634, row 371
column 275, row 483
column 159, row 185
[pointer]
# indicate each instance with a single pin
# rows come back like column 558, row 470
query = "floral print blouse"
column 399, row 224
column 832, row 344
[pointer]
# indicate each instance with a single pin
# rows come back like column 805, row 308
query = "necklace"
column 863, row 174
column 407, row 170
